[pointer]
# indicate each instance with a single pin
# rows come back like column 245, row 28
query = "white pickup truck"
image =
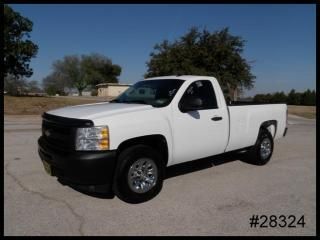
column 124, row 146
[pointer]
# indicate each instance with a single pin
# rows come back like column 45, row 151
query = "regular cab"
column 124, row 146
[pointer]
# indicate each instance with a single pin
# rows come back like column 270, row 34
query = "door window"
column 202, row 89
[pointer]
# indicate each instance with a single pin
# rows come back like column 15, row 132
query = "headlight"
column 92, row 139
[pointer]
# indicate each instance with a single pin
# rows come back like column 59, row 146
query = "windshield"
column 157, row 93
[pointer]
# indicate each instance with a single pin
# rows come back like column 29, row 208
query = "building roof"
column 112, row 84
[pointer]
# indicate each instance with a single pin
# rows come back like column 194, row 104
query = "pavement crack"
column 23, row 187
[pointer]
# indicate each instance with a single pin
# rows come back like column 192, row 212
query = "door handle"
column 216, row 118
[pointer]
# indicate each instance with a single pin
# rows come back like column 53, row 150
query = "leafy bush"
column 307, row 98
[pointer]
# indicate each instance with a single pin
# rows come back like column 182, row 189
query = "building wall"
column 115, row 91
column 111, row 91
column 103, row 91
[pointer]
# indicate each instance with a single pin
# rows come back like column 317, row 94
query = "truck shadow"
column 181, row 169
column 108, row 195
column 204, row 163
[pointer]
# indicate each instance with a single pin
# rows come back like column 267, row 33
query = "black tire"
column 126, row 159
column 257, row 154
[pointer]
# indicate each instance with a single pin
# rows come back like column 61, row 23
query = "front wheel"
column 261, row 152
column 139, row 175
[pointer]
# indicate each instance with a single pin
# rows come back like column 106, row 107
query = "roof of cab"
column 183, row 77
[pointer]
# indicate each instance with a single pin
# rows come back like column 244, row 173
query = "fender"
column 156, row 141
column 129, row 126
column 268, row 125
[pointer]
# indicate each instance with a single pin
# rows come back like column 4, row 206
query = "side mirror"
column 190, row 104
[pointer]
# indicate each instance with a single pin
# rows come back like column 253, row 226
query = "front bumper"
column 92, row 170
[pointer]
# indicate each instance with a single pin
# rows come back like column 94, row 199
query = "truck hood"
column 97, row 110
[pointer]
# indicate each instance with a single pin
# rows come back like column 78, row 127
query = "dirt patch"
column 38, row 105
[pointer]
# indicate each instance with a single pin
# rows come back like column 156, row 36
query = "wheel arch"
column 271, row 126
column 156, row 141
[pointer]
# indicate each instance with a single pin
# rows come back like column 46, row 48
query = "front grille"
column 58, row 135
column 59, row 132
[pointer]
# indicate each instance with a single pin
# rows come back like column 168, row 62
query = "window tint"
column 157, row 93
column 202, row 89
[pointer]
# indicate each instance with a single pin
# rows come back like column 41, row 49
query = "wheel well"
column 271, row 126
column 155, row 141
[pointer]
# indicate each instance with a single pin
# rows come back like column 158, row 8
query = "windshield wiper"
column 131, row 101
column 115, row 101
column 137, row 101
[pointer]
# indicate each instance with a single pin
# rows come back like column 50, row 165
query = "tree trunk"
column 233, row 92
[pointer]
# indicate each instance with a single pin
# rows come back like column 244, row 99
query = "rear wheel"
column 261, row 152
column 139, row 174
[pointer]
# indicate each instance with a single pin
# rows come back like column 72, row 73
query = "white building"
column 74, row 92
column 111, row 89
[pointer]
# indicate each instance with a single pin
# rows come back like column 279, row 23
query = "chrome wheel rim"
column 265, row 148
column 142, row 175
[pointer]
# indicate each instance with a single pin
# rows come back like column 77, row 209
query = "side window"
column 202, row 89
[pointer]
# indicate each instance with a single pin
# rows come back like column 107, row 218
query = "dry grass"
column 38, row 105
column 303, row 111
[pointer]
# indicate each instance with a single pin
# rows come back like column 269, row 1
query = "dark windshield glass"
column 157, row 93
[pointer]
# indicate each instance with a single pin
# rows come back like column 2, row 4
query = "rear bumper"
column 285, row 131
column 88, row 170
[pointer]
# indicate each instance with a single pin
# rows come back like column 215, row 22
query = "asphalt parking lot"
column 208, row 198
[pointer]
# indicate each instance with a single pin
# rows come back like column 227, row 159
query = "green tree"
column 73, row 70
column 307, row 98
column 217, row 54
column 258, row 98
column 14, row 86
column 55, row 83
column 100, row 69
column 33, row 86
column 81, row 72
column 263, row 98
column 294, row 97
column 51, row 90
column 279, row 97
column 18, row 49
column 313, row 98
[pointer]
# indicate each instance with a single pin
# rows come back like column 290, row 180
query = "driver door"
column 202, row 132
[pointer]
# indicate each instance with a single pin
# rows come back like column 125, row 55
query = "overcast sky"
column 281, row 39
